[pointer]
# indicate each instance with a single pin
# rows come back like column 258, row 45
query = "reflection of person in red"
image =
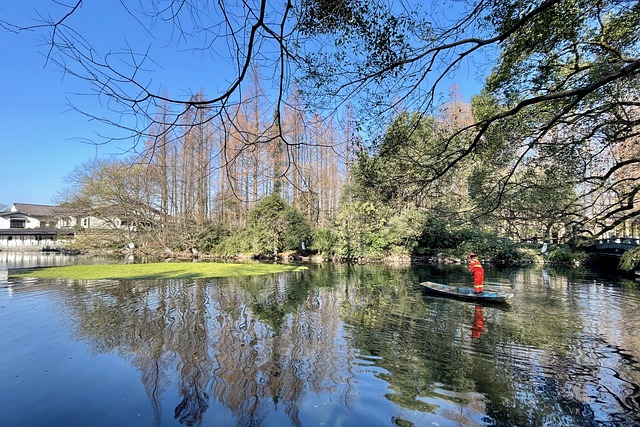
column 478, row 322
column 478, row 273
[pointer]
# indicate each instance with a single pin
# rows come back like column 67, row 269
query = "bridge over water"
column 616, row 246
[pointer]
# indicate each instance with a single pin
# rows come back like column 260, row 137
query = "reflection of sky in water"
column 47, row 259
column 329, row 346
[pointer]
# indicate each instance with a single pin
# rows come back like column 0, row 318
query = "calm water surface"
column 329, row 346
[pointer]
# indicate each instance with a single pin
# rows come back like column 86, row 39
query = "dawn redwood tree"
column 570, row 67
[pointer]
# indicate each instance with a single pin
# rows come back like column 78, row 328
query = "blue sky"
column 42, row 139
column 38, row 145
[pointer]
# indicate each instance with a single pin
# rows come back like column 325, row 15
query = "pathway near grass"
column 192, row 270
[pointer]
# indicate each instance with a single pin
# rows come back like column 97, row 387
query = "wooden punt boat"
column 467, row 294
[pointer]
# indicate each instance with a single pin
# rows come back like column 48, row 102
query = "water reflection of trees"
column 523, row 370
column 557, row 367
column 264, row 344
column 421, row 346
column 250, row 344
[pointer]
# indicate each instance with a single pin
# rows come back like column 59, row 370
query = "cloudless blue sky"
column 38, row 137
column 42, row 139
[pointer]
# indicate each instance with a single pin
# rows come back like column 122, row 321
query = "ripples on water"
column 330, row 346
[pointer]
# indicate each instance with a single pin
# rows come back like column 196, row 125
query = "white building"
column 35, row 226
column 29, row 226
column 25, row 215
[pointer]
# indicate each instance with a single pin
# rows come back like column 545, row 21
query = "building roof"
column 39, row 210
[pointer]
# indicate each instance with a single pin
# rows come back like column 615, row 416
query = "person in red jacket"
column 478, row 273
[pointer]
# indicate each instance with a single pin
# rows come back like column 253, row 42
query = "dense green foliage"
column 275, row 226
column 630, row 260
column 566, row 255
column 459, row 241
column 552, row 145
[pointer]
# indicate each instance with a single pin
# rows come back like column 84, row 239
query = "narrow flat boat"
column 488, row 295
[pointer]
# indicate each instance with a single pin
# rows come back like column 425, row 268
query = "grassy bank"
column 191, row 270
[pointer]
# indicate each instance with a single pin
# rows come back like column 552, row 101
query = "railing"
column 616, row 245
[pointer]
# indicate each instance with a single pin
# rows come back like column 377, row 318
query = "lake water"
column 328, row 346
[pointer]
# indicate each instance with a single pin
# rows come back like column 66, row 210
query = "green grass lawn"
column 191, row 270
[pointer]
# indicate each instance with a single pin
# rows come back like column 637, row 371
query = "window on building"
column 17, row 223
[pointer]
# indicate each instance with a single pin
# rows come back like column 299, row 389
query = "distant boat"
column 488, row 295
